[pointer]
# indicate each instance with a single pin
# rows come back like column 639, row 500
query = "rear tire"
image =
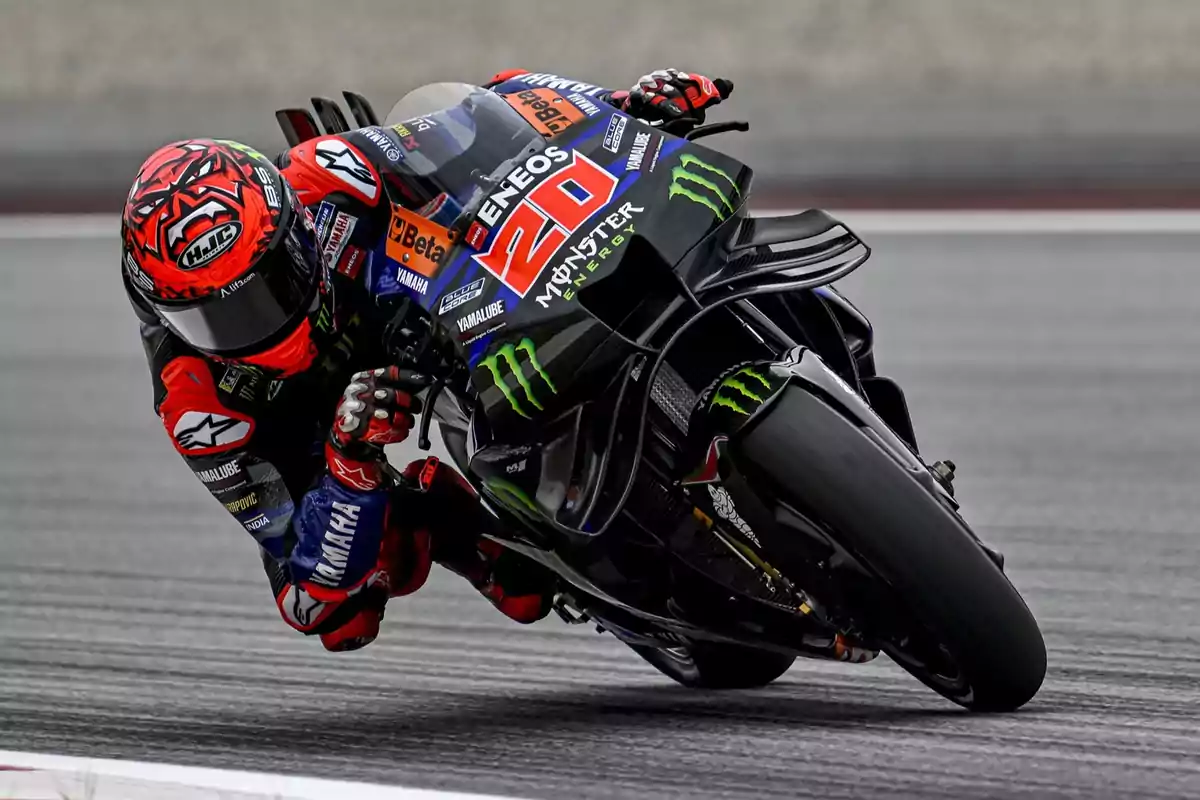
column 816, row 460
column 713, row 665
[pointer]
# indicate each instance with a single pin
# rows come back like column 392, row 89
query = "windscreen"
column 458, row 141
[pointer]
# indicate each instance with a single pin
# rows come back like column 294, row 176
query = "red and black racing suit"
column 264, row 460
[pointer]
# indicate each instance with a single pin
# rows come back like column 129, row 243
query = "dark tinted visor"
column 260, row 308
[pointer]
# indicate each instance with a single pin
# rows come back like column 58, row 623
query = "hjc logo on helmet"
column 210, row 244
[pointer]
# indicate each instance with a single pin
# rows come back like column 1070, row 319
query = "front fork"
column 740, row 519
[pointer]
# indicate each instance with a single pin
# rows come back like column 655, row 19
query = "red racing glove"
column 376, row 409
column 672, row 99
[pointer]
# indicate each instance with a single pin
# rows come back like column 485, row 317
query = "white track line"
column 101, row 779
column 107, row 226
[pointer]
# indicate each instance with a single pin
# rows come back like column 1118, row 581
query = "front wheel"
column 939, row 606
column 714, row 665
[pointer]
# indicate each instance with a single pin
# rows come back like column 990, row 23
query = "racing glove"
column 673, row 100
column 376, row 409
column 350, row 557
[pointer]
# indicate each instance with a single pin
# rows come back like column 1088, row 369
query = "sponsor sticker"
column 480, row 315
column 347, row 165
column 418, row 283
column 461, row 295
column 561, row 187
column 383, row 142
column 351, row 262
column 614, row 133
column 637, row 152
column 340, row 231
column 552, row 81
column 584, row 104
column 221, row 473
column 703, row 184
column 229, row 380
column 476, row 235
column 202, row 250
column 325, row 213
column 419, row 244
column 593, row 250
column 515, row 370
column 196, row 432
column 337, row 544
column 214, row 210
column 243, row 503
column 239, row 283
column 257, row 522
column 546, row 110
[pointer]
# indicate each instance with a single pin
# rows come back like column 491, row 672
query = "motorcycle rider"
column 266, row 352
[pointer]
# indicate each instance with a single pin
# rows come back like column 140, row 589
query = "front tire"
column 965, row 610
column 713, row 665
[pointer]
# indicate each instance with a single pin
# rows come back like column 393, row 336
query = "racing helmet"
column 219, row 247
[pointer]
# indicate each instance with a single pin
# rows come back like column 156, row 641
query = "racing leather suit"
column 257, row 442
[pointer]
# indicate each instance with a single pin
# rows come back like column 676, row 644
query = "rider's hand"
column 376, row 409
column 674, row 100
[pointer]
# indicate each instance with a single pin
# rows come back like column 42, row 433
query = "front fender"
column 746, row 392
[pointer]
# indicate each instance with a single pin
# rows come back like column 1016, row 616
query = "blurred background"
column 852, row 102
column 1058, row 365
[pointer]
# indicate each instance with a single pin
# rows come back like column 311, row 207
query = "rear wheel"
column 939, row 606
column 713, row 665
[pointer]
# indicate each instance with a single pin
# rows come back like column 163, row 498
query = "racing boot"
column 517, row 586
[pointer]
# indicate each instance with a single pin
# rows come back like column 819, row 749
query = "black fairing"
column 583, row 367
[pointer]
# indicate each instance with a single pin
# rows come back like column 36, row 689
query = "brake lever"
column 715, row 128
column 431, row 397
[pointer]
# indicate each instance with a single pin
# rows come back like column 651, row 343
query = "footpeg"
column 944, row 472
column 566, row 610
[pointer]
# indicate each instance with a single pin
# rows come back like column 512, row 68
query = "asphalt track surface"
column 1062, row 372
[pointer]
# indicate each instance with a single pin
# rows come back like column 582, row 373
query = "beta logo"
column 416, row 242
column 546, row 111
column 556, row 206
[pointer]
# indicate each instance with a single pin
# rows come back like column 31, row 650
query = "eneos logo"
column 555, row 207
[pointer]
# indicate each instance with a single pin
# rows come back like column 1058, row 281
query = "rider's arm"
column 319, row 539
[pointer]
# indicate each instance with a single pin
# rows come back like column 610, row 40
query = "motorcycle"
column 661, row 398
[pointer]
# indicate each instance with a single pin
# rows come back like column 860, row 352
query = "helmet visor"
column 258, row 309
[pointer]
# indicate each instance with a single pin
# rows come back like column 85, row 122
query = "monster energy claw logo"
column 700, row 182
column 506, row 357
column 733, row 391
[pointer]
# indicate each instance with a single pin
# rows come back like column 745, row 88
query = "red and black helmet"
column 218, row 245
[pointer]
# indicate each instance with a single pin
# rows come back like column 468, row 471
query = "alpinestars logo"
column 739, row 390
column 701, row 182
column 506, row 360
column 198, row 430
column 345, row 162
